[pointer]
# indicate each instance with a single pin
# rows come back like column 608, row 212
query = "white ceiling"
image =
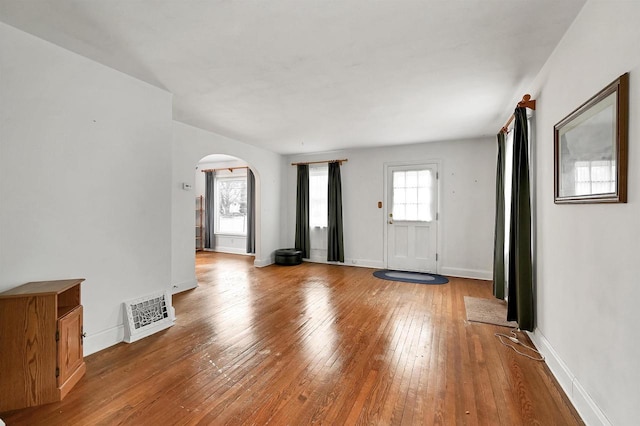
column 297, row 76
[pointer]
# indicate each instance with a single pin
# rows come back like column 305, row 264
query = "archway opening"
column 227, row 206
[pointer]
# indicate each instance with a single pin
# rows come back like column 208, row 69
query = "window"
column 318, row 196
column 595, row 177
column 231, row 204
column 412, row 195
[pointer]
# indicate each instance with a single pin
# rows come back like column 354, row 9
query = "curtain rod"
column 526, row 102
column 344, row 160
column 231, row 169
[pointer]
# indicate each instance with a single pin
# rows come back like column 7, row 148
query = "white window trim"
column 227, row 175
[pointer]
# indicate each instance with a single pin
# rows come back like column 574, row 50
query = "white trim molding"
column 360, row 263
column 232, row 250
column 184, row 286
column 584, row 405
column 365, row 263
column 102, row 340
column 261, row 263
column 476, row 274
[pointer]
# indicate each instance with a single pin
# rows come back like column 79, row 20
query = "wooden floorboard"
column 312, row 343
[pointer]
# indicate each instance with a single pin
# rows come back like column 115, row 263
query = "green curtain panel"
column 302, row 211
column 335, row 246
column 520, row 270
column 209, row 209
column 251, row 212
column 498, row 241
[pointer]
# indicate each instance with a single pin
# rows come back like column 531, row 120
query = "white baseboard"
column 184, row 286
column 152, row 330
column 232, row 250
column 102, row 340
column 476, row 274
column 260, row 263
column 365, row 263
column 584, row 405
column 362, row 263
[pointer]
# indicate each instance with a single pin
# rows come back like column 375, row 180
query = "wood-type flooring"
column 312, row 344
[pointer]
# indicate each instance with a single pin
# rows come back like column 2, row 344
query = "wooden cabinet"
column 41, row 334
column 70, row 356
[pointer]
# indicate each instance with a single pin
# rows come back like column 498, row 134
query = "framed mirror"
column 591, row 148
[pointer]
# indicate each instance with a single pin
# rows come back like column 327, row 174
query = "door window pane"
column 411, row 179
column 412, row 195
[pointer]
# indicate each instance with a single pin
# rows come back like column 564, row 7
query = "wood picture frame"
column 590, row 148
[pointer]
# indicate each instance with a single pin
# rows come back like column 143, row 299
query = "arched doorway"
column 227, row 205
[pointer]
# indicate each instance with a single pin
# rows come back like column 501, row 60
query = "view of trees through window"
column 231, row 194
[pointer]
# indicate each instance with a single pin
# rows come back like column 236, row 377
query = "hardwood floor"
column 312, row 344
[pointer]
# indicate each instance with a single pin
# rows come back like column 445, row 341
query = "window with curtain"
column 318, row 204
column 231, row 203
column 335, row 241
column 302, row 210
column 517, row 280
column 507, row 181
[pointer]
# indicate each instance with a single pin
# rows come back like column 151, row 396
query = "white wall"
column 190, row 145
column 588, row 266
column 467, row 202
column 85, row 175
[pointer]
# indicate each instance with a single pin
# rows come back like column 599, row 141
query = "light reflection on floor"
column 319, row 315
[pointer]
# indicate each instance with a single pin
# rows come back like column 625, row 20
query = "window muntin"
column 595, row 177
column 231, row 205
column 412, row 195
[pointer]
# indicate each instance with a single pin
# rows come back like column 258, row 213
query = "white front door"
column 412, row 207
